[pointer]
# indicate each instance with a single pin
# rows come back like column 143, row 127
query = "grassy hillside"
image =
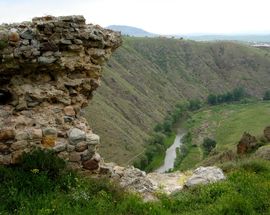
column 146, row 77
column 225, row 124
column 42, row 185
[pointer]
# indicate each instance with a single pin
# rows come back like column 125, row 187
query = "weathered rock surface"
column 205, row 175
column 267, row 133
column 76, row 136
column 167, row 182
column 147, row 184
column 247, row 144
column 49, row 69
column 133, row 179
column 263, row 152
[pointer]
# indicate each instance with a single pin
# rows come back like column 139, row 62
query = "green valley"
column 146, row 77
column 120, row 121
column 226, row 125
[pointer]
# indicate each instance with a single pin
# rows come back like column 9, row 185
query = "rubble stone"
column 76, row 135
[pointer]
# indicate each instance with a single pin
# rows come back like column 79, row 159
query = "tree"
column 220, row 98
column 212, row 99
column 177, row 113
column 158, row 128
column 238, row 93
column 228, row 97
column 266, row 95
column 167, row 126
column 157, row 138
column 208, row 145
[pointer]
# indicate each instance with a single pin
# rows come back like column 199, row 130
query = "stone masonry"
column 48, row 70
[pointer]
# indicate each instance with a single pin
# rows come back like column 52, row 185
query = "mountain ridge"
column 131, row 31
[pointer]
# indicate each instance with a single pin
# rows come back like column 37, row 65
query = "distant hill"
column 249, row 38
column 131, row 31
column 244, row 38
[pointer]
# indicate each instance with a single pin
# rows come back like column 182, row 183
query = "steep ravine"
column 146, row 77
column 49, row 69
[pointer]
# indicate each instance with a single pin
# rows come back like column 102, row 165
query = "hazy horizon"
column 173, row 17
column 201, row 33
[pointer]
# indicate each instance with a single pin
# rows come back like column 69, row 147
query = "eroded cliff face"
column 48, row 71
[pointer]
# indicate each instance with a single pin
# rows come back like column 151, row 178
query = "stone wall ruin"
column 48, row 71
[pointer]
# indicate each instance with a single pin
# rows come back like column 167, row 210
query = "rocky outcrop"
column 167, row 182
column 266, row 133
column 205, row 175
column 132, row 179
column 247, row 144
column 263, row 152
column 149, row 184
column 48, row 72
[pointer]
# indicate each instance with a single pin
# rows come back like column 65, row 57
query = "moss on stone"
column 3, row 44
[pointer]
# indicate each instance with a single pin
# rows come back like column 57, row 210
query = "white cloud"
column 159, row 16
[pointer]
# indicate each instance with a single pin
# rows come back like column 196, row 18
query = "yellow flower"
column 35, row 171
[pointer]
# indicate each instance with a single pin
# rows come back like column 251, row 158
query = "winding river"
column 171, row 153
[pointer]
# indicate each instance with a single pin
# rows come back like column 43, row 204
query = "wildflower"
column 35, row 171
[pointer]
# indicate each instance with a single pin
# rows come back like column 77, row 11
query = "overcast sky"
column 157, row 16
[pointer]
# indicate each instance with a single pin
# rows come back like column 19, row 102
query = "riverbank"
column 163, row 136
column 225, row 124
column 168, row 163
column 159, row 158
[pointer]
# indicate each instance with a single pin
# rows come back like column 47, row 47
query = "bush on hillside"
column 212, row 99
column 236, row 94
column 44, row 161
column 194, row 104
column 208, row 145
column 266, row 95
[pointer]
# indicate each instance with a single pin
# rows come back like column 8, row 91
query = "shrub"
column 232, row 96
column 158, row 128
column 212, row 99
column 167, row 126
column 44, row 161
column 157, row 138
column 208, row 145
column 266, row 95
column 194, row 104
column 257, row 166
column 239, row 93
column 3, row 44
